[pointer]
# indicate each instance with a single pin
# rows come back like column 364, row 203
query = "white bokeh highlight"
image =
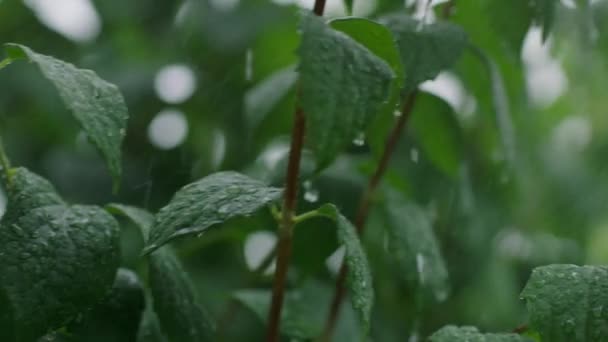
column 175, row 83
column 168, row 129
column 257, row 246
column 572, row 135
column 334, row 261
column 224, row 5
column 546, row 80
column 450, row 88
column 335, row 7
column 76, row 20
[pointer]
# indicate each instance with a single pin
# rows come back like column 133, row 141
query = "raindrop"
column 311, row 194
column 360, row 139
column 414, row 155
column 420, row 267
column 397, row 113
column 249, row 65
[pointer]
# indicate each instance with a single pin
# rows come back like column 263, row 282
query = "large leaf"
column 56, row 262
column 343, row 86
column 414, row 247
column 117, row 317
column 471, row 334
column 425, row 50
column 359, row 276
column 511, row 21
column 96, row 104
column 568, row 302
column 27, row 191
column 175, row 300
column 207, row 202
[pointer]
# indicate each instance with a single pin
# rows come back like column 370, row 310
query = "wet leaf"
column 343, row 87
column 471, row 334
column 96, row 104
column 175, row 301
column 141, row 217
column 568, row 302
column 207, row 202
column 56, row 262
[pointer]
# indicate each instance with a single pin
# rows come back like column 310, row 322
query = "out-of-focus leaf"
column 207, row 202
column 414, row 247
column 511, row 20
column 149, row 328
column 56, row 262
column 343, row 84
column 175, row 301
column 500, row 100
column 568, row 302
column 471, row 334
column 436, row 129
column 261, row 99
column 545, row 15
column 348, row 5
column 359, row 276
column 117, row 318
column 96, row 104
column 425, row 50
column 141, row 217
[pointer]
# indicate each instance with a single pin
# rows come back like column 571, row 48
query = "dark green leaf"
column 568, row 302
column 96, row 104
column 545, row 15
column 436, row 129
column 414, row 247
column 207, row 202
column 175, row 300
column 511, row 21
column 343, row 86
column 28, row 191
column 425, row 50
column 348, row 5
column 471, row 334
column 359, row 274
column 261, row 99
column 117, row 318
column 56, row 262
column 141, row 217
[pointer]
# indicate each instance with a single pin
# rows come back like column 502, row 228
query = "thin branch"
column 364, row 207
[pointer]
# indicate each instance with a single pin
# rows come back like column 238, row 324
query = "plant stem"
column 364, row 207
column 287, row 221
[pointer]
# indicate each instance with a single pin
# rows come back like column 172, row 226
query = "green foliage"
column 210, row 201
column 567, row 302
column 471, row 334
column 97, row 105
column 343, row 86
column 175, row 300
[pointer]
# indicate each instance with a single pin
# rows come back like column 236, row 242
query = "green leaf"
column 141, row 217
column 149, row 329
column 425, row 50
column 175, row 300
column 471, row 334
column 96, row 104
column 261, row 99
column 359, row 276
column 414, row 247
column 208, row 202
column 56, row 262
column 500, row 100
column 28, row 191
column 545, row 15
column 568, row 302
column 117, row 317
column 343, row 86
column 348, row 5
column 436, row 129
column 511, row 21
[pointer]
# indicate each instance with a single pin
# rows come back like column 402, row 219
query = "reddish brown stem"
column 521, row 329
column 364, row 207
column 284, row 245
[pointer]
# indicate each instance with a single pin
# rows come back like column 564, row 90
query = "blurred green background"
column 192, row 73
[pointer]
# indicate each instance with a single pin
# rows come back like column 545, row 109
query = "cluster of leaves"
column 62, row 279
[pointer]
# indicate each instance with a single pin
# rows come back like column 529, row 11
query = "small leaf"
column 56, row 262
column 414, row 247
column 426, row 49
column 175, row 302
column 207, row 202
column 141, row 217
column 359, row 276
column 117, row 318
column 96, row 104
column 261, row 99
column 343, row 86
column 545, row 15
column 28, row 191
column 471, row 334
column 500, row 100
column 568, row 303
